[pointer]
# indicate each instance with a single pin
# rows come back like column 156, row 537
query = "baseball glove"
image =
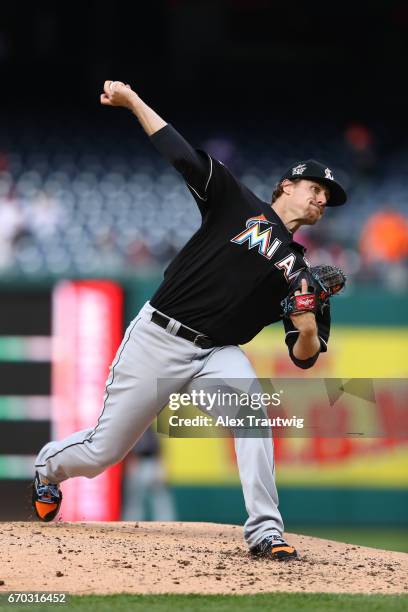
column 322, row 283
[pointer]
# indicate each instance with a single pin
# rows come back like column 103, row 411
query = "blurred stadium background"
column 84, row 197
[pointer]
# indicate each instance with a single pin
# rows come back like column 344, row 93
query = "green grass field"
column 283, row 602
column 386, row 538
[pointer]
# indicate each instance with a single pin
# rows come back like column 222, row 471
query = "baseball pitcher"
column 242, row 270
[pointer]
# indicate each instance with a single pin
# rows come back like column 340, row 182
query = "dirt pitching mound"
column 83, row 558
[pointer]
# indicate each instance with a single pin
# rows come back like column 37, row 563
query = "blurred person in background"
column 384, row 237
column 361, row 143
column 44, row 215
column 145, row 492
column 13, row 225
column 384, row 247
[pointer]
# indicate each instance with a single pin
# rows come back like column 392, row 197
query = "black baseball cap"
column 314, row 170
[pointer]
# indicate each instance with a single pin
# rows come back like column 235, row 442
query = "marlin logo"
column 299, row 169
column 258, row 237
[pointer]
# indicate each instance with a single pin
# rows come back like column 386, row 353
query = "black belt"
column 183, row 332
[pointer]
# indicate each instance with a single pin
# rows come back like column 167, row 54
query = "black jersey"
column 229, row 279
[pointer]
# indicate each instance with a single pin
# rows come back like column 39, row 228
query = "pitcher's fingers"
column 106, row 87
column 303, row 288
column 105, row 100
column 115, row 85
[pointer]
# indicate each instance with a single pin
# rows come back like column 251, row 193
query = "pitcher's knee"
column 108, row 457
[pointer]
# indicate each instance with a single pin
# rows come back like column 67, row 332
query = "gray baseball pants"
column 133, row 399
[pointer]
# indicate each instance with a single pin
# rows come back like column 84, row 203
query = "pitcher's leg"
column 90, row 451
column 130, row 404
column 254, row 454
column 257, row 474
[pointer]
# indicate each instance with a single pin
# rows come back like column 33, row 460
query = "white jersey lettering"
column 287, row 265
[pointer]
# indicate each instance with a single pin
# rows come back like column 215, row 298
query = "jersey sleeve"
column 323, row 332
column 194, row 166
column 205, row 177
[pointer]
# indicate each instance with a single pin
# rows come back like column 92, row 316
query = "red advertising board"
column 87, row 330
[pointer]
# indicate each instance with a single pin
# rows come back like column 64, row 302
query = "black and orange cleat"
column 46, row 499
column 274, row 547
